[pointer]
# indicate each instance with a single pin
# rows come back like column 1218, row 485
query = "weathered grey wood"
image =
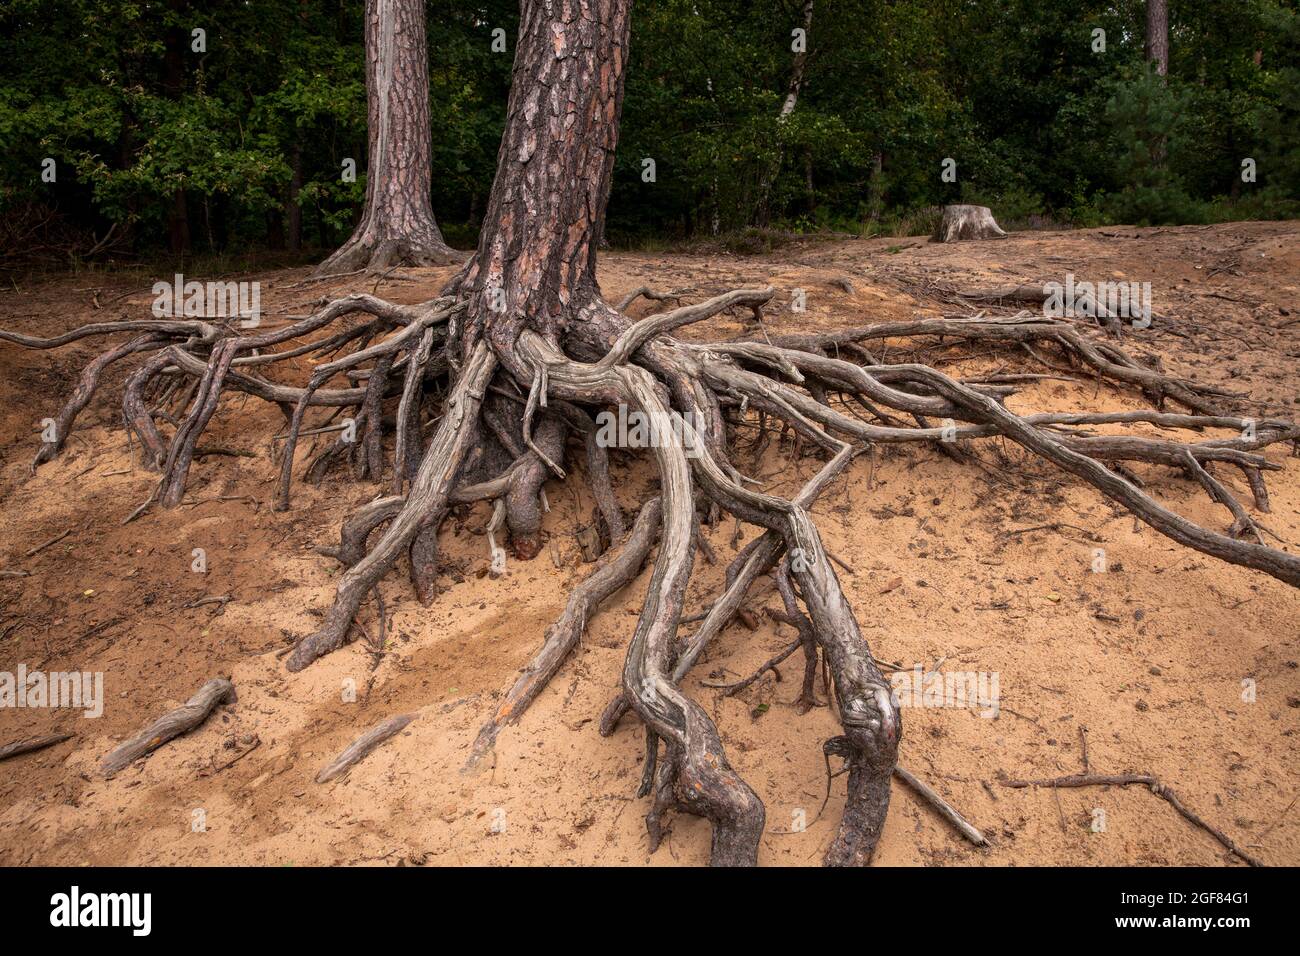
column 172, row 724
column 32, row 743
column 429, row 493
column 940, row 804
column 962, row 222
column 362, row 746
column 616, row 569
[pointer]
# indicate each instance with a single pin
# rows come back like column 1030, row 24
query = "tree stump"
column 967, row 222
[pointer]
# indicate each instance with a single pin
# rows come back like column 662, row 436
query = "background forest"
column 236, row 140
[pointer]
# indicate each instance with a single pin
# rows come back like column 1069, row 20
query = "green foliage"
column 1042, row 127
column 1148, row 125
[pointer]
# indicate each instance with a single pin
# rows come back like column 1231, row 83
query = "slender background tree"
column 397, row 225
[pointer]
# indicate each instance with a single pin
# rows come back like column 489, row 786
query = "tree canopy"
column 1045, row 119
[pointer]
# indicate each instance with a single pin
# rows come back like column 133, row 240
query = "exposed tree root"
column 429, row 494
column 360, row 748
column 369, row 252
column 172, row 724
column 502, row 399
column 29, row 744
column 614, row 571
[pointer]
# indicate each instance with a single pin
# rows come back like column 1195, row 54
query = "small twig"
column 1146, row 780
column 223, row 600
column 41, row 547
column 257, row 742
column 1053, row 526
column 732, row 689
column 942, row 806
column 325, row 278
column 314, row 431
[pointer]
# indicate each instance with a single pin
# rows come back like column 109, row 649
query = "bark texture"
column 536, row 259
column 1157, row 45
column 963, row 222
column 172, row 724
column 397, row 225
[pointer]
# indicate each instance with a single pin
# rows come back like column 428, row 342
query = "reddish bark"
column 1157, row 46
column 547, row 208
column 397, row 224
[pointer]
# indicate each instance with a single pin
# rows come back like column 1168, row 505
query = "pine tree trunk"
column 876, row 187
column 397, row 224
column 536, row 258
column 1157, row 47
column 1157, row 52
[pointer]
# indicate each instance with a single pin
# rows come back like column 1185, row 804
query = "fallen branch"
column 1146, row 780
column 32, row 743
column 362, row 746
column 945, row 810
column 31, row 553
column 173, row 724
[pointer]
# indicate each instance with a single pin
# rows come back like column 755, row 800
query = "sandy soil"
column 1145, row 661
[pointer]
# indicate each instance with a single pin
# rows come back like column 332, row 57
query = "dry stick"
column 314, row 431
column 325, row 278
column 223, row 600
column 730, row 690
column 257, row 742
column 1053, row 526
column 363, row 745
column 32, row 743
column 1146, row 780
column 173, row 724
column 41, row 547
column 945, row 810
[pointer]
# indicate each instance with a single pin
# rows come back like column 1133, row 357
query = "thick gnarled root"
column 429, row 494
column 503, row 403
